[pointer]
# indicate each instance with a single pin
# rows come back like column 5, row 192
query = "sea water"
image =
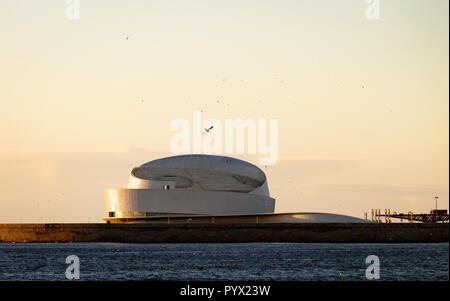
column 211, row 261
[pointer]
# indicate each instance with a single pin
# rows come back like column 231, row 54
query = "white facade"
column 192, row 185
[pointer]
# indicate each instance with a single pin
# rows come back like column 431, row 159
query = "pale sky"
column 363, row 105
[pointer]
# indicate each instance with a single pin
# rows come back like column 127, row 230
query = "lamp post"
column 436, row 198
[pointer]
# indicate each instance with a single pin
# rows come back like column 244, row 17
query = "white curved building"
column 202, row 188
column 190, row 185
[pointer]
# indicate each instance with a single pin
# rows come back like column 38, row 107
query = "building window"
column 112, row 214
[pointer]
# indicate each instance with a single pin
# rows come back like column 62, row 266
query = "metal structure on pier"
column 434, row 216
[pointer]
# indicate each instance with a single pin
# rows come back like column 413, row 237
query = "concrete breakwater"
column 226, row 233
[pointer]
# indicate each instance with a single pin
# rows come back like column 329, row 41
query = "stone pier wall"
column 226, row 233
